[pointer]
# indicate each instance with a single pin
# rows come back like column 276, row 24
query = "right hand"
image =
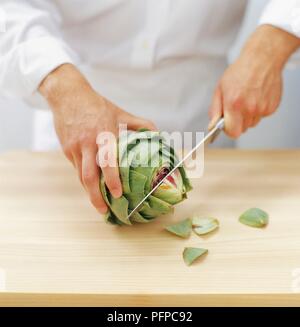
column 80, row 114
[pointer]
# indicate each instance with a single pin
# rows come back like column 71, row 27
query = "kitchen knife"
column 209, row 138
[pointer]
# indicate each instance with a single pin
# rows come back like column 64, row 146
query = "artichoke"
column 144, row 159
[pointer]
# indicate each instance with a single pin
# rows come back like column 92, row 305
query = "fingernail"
column 102, row 211
column 212, row 123
column 117, row 193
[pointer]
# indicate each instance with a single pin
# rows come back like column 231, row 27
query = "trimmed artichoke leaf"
column 186, row 181
column 134, row 199
column 182, row 229
column 138, row 218
column 204, row 225
column 109, row 217
column 137, row 182
column 125, row 172
column 120, row 209
column 103, row 190
column 148, row 172
column 191, row 254
column 254, row 217
column 155, row 207
column 146, row 154
column 160, row 205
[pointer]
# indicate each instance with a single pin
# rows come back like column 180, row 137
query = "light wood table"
column 55, row 249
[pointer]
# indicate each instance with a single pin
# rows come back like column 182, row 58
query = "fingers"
column 255, row 121
column 240, row 114
column 234, row 122
column 108, row 161
column 77, row 162
column 135, row 123
column 90, row 178
column 215, row 111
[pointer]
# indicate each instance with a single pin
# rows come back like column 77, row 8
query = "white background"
column 281, row 130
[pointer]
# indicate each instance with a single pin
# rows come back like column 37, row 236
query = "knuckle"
column 252, row 109
column 69, row 147
column 89, row 177
column 237, row 102
column 68, row 153
column 112, row 182
column 85, row 139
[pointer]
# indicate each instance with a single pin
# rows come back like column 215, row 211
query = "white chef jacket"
column 159, row 59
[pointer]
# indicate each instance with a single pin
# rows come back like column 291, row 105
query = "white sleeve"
column 31, row 45
column 285, row 15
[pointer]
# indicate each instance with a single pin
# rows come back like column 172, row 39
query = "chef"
column 96, row 64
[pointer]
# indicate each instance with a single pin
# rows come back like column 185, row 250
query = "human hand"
column 80, row 115
column 251, row 88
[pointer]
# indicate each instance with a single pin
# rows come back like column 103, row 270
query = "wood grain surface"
column 55, row 249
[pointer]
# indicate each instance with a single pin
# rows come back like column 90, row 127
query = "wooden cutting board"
column 55, row 249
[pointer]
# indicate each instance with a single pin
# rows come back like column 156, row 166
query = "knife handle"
column 217, row 130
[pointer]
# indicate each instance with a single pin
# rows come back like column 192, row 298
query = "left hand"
column 249, row 90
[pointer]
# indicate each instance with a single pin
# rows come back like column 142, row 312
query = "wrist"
column 272, row 45
column 64, row 81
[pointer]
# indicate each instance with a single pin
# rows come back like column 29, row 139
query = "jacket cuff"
column 284, row 16
column 30, row 62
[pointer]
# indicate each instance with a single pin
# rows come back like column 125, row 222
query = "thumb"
column 216, row 109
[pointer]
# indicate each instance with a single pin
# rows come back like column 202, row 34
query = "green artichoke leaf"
column 144, row 151
column 129, row 146
column 154, row 207
column 144, row 159
column 254, row 217
column 109, row 217
column 134, row 199
column 185, row 179
column 120, row 209
column 182, row 229
column 125, row 172
column 103, row 190
column 137, row 182
column 148, row 172
column 204, row 225
column 191, row 254
column 138, row 218
column 129, row 141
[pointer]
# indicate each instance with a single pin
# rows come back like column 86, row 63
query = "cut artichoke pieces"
column 191, row 254
column 137, row 151
column 254, row 217
column 204, row 225
column 182, row 229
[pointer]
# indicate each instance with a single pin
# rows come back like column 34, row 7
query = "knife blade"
column 209, row 138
